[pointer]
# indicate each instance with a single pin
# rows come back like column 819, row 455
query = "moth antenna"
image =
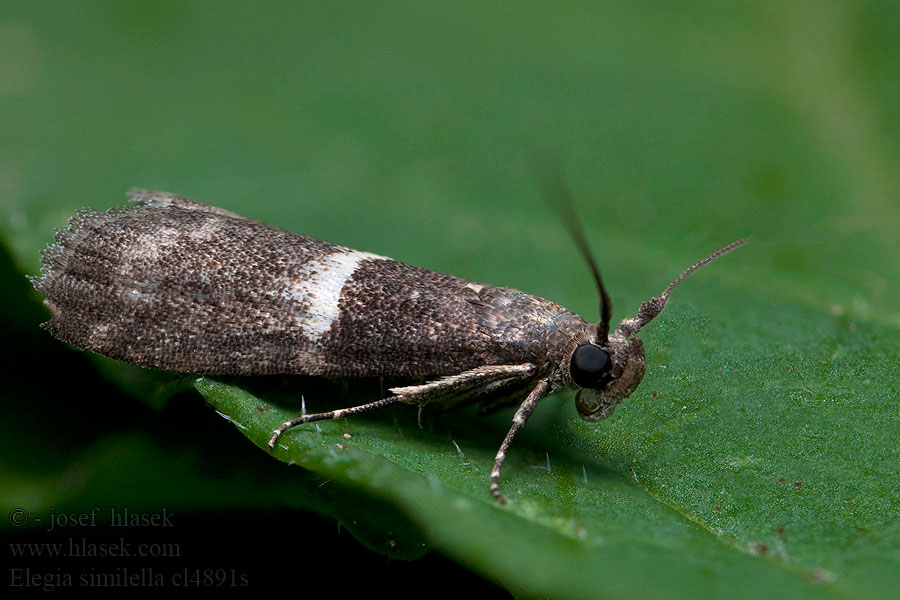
column 650, row 309
column 558, row 196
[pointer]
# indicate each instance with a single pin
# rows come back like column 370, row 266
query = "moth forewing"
column 174, row 284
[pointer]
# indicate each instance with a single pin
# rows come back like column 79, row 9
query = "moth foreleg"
column 519, row 419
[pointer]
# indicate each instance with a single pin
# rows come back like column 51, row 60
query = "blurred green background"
column 760, row 455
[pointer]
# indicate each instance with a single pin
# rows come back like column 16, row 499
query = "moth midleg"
column 333, row 414
column 418, row 394
column 519, row 419
column 462, row 382
column 503, row 392
column 495, row 397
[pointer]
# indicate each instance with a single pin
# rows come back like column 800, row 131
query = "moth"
column 170, row 283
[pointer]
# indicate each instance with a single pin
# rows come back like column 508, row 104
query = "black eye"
column 590, row 366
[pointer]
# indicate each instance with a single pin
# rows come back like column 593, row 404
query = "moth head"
column 608, row 368
column 605, row 374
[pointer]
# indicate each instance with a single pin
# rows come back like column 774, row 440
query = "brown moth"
column 170, row 283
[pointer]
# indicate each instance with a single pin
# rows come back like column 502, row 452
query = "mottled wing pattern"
column 174, row 284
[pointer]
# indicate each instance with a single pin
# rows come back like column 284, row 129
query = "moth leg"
column 463, row 382
column 522, row 414
column 419, row 393
column 498, row 397
column 333, row 414
column 475, row 394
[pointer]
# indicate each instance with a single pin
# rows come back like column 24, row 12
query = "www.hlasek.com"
column 84, row 548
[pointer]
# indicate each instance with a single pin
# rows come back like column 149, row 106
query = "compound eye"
column 590, row 366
